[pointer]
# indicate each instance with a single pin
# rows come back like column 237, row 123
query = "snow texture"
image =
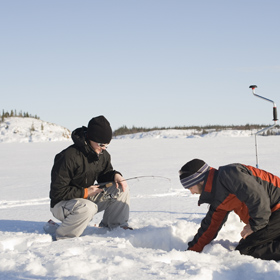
column 163, row 214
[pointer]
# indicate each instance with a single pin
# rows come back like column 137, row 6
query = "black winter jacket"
column 78, row 167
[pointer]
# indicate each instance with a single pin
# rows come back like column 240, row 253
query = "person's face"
column 196, row 189
column 98, row 147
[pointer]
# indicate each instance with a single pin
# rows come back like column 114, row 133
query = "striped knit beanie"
column 193, row 172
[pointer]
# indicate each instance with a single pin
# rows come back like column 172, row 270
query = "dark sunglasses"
column 105, row 146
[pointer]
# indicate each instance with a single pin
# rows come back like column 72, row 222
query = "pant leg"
column 115, row 204
column 268, row 251
column 75, row 215
column 264, row 243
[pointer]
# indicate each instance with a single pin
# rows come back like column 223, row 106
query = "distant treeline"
column 125, row 130
column 14, row 113
column 203, row 129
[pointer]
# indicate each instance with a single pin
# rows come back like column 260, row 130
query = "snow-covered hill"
column 16, row 129
column 23, row 130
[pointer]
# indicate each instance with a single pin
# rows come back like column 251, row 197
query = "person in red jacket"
column 253, row 194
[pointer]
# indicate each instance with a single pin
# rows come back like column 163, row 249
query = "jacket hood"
column 80, row 140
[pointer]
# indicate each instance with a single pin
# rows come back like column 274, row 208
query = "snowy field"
column 164, row 215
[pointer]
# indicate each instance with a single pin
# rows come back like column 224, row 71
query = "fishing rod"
column 146, row 176
column 110, row 184
column 253, row 87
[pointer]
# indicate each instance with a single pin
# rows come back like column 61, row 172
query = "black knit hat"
column 193, row 172
column 99, row 130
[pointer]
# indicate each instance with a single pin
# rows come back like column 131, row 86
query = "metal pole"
column 253, row 87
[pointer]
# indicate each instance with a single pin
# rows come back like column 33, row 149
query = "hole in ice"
column 162, row 238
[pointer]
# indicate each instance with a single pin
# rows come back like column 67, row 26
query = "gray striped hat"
column 193, row 172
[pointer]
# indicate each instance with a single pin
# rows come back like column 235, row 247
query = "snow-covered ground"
column 164, row 215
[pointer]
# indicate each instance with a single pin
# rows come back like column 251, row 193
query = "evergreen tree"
column 32, row 128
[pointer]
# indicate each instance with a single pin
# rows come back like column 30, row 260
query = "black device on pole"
column 253, row 87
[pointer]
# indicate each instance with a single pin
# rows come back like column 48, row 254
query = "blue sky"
column 142, row 63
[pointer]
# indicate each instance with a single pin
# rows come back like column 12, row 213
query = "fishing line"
column 146, row 176
column 109, row 184
column 154, row 177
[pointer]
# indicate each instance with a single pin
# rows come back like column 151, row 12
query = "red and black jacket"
column 250, row 192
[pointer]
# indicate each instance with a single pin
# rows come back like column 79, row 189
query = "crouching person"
column 253, row 194
column 75, row 198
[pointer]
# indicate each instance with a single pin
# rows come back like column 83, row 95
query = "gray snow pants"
column 76, row 214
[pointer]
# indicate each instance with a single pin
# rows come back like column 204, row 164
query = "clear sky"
column 143, row 63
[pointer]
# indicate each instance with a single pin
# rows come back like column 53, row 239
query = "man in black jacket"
column 75, row 198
